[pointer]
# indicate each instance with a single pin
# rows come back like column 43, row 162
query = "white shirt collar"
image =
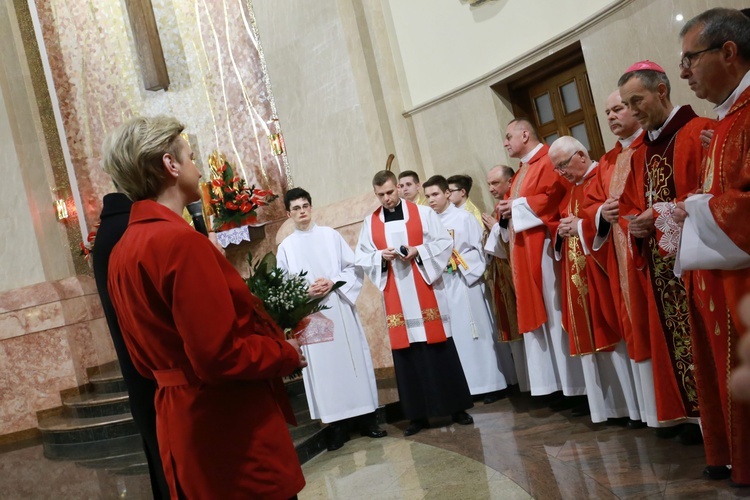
column 308, row 230
column 723, row 108
column 591, row 167
column 654, row 134
column 394, row 208
column 531, row 153
column 625, row 143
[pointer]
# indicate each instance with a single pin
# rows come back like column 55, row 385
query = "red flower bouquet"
column 232, row 202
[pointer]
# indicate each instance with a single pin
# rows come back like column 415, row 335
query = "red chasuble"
column 715, row 295
column 504, row 295
column 588, row 316
column 190, row 322
column 538, row 182
column 664, row 171
column 433, row 322
column 626, row 283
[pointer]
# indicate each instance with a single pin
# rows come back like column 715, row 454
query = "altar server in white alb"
column 404, row 248
column 471, row 322
column 339, row 380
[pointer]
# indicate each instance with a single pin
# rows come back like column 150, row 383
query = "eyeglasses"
column 687, row 59
column 563, row 165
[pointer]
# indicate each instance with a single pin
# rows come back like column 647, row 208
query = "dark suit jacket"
column 114, row 220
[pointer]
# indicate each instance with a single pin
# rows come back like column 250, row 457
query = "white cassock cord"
column 474, row 333
column 346, row 334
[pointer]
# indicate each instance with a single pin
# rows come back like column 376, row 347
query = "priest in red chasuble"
column 404, row 249
column 529, row 219
column 589, row 313
column 715, row 244
column 610, row 246
column 663, row 172
column 500, row 277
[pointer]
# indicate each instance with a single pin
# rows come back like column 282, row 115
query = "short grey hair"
column 648, row 77
column 719, row 26
column 133, row 152
column 567, row 145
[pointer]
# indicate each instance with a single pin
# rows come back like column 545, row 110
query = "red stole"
column 433, row 322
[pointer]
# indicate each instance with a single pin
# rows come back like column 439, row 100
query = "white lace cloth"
column 233, row 236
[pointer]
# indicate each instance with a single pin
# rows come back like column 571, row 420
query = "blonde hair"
column 133, row 152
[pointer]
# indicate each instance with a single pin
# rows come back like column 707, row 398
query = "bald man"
column 500, row 277
column 529, row 218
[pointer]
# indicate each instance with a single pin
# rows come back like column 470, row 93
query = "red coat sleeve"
column 226, row 332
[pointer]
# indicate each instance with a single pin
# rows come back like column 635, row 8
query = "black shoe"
column 717, row 472
column 462, row 418
column 373, row 431
column 368, row 426
column 338, row 434
column 416, row 425
column 635, row 424
column 667, row 432
column 690, row 435
column 491, row 397
column 567, row 402
column 581, row 410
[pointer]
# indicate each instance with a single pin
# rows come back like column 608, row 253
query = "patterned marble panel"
column 49, row 334
column 218, row 86
column 40, row 366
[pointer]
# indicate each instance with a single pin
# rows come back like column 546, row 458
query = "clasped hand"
column 390, row 254
column 320, row 287
column 302, row 358
column 504, row 208
column 643, row 225
column 568, row 226
column 611, row 210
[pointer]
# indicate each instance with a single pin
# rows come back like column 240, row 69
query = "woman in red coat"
column 191, row 324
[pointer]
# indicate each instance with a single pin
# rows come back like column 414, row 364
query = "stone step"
column 68, row 438
column 107, row 381
column 97, row 404
column 131, row 470
column 114, row 462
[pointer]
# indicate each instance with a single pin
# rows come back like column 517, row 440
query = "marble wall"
column 333, row 65
column 34, row 246
column 49, row 334
column 218, row 87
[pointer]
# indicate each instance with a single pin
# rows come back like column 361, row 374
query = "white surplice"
column 339, row 379
column 512, row 354
column 434, row 252
column 472, row 323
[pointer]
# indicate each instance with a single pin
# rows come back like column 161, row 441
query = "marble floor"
column 517, row 448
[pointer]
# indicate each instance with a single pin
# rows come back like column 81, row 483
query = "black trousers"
column 430, row 380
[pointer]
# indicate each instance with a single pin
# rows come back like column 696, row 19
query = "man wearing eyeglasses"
column 339, row 379
column 588, row 315
column 459, row 187
column 715, row 243
column 664, row 171
column 530, row 217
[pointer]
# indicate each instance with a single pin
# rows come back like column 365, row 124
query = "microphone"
column 196, row 213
